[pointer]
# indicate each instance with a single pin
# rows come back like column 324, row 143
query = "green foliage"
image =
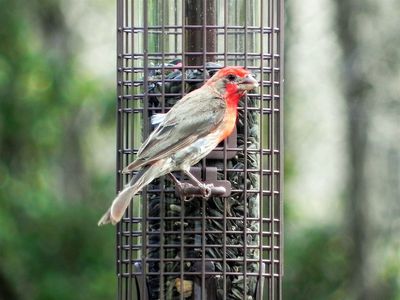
column 50, row 246
column 315, row 264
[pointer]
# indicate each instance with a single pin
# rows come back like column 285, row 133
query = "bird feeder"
column 228, row 246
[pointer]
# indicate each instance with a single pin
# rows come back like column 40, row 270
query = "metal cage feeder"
column 228, row 246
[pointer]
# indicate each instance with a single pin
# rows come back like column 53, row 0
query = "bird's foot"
column 206, row 190
column 188, row 191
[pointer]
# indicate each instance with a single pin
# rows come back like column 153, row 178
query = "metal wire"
column 225, row 247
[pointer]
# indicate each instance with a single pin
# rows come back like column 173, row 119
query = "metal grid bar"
column 260, row 290
column 225, row 167
column 119, row 155
column 182, row 219
column 233, row 244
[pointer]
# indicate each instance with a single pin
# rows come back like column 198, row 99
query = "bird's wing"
column 192, row 117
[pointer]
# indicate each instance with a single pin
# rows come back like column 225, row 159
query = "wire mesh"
column 223, row 247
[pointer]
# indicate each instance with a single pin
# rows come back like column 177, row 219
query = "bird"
column 188, row 132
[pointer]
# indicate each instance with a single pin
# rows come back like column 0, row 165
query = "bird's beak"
column 248, row 83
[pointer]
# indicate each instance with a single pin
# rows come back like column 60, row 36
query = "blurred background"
column 57, row 149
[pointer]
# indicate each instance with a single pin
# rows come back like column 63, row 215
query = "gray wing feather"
column 190, row 118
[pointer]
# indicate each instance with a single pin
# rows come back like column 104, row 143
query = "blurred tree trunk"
column 355, row 84
column 369, row 75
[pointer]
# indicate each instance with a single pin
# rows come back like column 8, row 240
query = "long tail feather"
column 115, row 213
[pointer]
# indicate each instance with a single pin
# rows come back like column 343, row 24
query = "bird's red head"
column 233, row 80
column 232, row 83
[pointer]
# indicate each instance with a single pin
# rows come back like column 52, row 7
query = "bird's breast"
column 229, row 121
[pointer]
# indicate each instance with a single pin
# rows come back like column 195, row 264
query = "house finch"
column 192, row 128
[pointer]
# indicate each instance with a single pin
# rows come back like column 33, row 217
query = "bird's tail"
column 121, row 202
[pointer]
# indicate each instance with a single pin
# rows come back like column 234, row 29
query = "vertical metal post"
column 200, row 18
column 119, row 132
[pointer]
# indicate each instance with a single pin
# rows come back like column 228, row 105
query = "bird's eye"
column 231, row 77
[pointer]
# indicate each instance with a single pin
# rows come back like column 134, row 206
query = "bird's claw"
column 207, row 190
column 205, row 193
column 184, row 198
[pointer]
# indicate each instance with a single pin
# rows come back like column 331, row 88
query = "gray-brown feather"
column 192, row 117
